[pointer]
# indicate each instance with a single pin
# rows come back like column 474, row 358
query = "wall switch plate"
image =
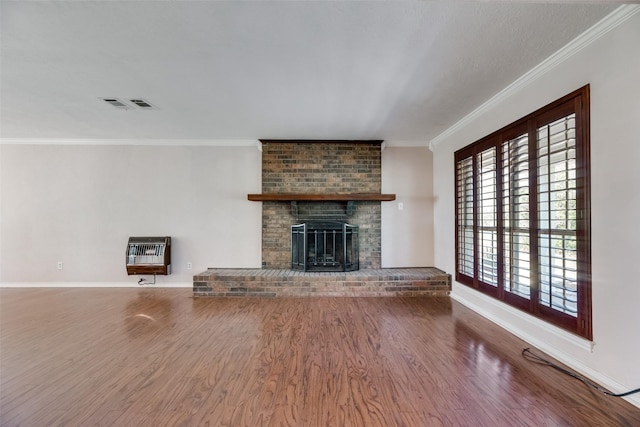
column 400, row 206
column 189, row 266
column 60, row 265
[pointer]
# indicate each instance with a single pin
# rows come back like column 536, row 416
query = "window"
column 523, row 214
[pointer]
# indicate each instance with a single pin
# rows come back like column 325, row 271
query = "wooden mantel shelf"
column 306, row 197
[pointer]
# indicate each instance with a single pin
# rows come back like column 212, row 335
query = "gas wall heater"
column 149, row 255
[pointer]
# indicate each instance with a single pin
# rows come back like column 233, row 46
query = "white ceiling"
column 239, row 70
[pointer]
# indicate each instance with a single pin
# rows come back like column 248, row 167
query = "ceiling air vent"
column 116, row 103
column 141, row 103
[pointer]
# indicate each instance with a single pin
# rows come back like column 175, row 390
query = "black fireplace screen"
column 324, row 246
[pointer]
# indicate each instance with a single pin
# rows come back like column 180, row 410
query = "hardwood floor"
column 157, row 357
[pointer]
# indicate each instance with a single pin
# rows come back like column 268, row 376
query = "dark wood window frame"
column 523, row 214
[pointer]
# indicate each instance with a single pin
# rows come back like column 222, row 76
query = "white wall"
column 79, row 204
column 611, row 64
column 407, row 234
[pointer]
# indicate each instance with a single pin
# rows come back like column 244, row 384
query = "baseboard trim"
column 94, row 285
column 488, row 310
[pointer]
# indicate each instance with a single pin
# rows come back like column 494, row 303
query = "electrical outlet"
column 189, row 266
column 59, row 265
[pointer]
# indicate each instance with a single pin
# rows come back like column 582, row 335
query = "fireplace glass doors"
column 324, row 246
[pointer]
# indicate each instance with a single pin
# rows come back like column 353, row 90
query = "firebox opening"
column 324, row 246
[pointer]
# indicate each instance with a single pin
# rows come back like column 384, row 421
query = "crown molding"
column 602, row 27
column 405, row 143
column 173, row 142
column 132, row 142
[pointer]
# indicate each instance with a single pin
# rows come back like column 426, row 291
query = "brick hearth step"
column 226, row 282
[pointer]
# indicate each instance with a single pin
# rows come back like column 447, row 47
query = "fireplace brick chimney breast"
column 320, row 168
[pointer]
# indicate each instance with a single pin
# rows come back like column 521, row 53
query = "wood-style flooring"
column 158, row 357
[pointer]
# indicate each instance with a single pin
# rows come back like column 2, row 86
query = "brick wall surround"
column 320, row 168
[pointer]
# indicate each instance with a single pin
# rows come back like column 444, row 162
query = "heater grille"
column 149, row 255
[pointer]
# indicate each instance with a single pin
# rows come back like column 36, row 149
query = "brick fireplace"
column 321, row 168
column 336, row 182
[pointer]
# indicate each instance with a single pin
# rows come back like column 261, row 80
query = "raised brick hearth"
column 426, row 281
